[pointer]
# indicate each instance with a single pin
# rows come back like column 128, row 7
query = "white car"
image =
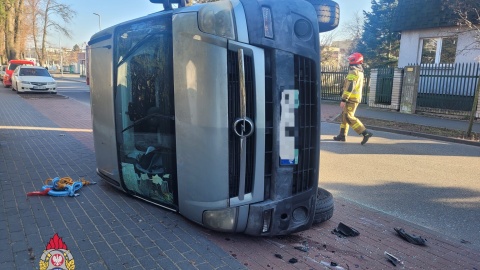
column 33, row 79
column 2, row 71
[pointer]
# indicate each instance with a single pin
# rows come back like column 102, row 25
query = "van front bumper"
column 282, row 217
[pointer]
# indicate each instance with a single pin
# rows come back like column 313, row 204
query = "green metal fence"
column 332, row 79
column 447, row 88
column 383, row 92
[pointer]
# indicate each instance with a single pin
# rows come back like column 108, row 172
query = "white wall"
column 410, row 45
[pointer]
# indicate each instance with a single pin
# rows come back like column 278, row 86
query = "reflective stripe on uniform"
column 356, row 125
column 352, row 77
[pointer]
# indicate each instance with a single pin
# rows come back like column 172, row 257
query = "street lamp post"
column 99, row 27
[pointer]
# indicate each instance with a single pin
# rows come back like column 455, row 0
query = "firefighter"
column 351, row 97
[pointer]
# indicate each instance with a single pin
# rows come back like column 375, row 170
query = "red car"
column 12, row 64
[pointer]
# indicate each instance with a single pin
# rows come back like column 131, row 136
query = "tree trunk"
column 13, row 15
column 2, row 32
column 44, row 33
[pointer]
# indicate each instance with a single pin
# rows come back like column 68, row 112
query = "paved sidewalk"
column 365, row 251
column 47, row 136
column 331, row 109
column 106, row 229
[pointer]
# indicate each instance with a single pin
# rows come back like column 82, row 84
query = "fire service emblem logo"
column 56, row 256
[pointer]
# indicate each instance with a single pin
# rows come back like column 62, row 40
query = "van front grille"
column 233, row 114
column 306, row 83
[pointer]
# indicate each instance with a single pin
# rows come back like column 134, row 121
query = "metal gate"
column 383, row 92
column 332, row 79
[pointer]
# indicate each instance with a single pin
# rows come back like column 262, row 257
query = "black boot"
column 339, row 138
column 366, row 135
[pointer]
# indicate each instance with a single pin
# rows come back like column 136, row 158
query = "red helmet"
column 355, row 58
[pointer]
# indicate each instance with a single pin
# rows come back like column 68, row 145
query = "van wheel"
column 323, row 206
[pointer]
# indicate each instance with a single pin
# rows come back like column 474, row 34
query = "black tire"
column 323, row 206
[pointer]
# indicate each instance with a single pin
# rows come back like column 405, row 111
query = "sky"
column 112, row 12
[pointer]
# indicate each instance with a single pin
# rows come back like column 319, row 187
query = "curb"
column 69, row 79
column 417, row 134
column 424, row 135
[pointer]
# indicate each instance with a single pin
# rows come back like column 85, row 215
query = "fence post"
column 474, row 109
column 396, row 88
column 411, row 77
column 373, row 87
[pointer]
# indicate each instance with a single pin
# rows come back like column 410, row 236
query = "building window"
column 438, row 50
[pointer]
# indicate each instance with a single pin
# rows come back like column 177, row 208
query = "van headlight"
column 216, row 18
column 221, row 220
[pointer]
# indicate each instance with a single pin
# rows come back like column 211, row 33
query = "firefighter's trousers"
column 349, row 119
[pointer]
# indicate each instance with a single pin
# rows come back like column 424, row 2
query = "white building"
column 430, row 34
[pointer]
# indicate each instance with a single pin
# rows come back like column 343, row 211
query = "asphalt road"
column 75, row 90
column 430, row 183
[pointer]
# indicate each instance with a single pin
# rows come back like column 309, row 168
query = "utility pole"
column 99, row 26
column 61, row 61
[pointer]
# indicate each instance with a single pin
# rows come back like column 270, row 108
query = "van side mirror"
column 328, row 14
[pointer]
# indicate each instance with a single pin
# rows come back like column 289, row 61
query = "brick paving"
column 103, row 228
column 106, row 229
column 365, row 251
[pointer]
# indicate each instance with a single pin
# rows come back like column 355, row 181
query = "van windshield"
column 144, row 101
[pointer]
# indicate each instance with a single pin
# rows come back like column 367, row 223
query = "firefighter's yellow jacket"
column 353, row 85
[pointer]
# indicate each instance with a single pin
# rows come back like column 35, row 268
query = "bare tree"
column 354, row 30
column 42, row 14
column 328, row 52
column 11, row 24
column 336, row 44
column 2, row 33
column 468, row 12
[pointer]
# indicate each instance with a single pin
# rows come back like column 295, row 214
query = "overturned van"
column 213, row 111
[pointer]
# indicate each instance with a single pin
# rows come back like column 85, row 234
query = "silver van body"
column 213, row 111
